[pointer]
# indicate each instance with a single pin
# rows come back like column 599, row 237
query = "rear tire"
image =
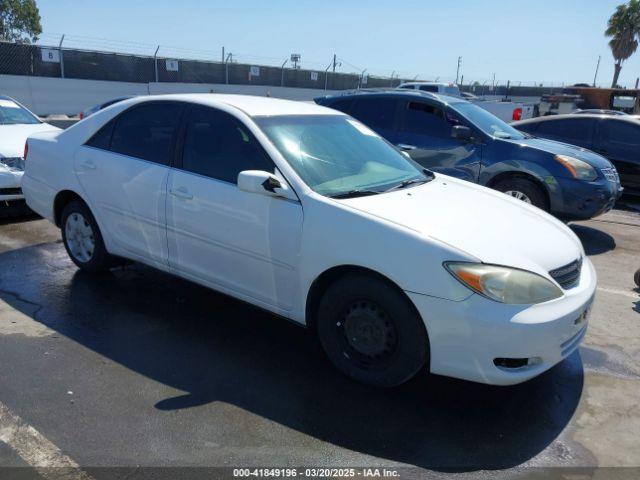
column 82, row 238
column 525, row 190
column 636, row 278
column 371, row 332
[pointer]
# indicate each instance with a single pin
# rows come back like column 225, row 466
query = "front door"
column 244, row 244
column 425, row 134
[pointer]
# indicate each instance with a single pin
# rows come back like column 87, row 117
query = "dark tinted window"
column 429, row 88
column 527, row 127
column 620, row 132
column 425, row 119
column 147, row 132
column 376, row 112
column 102, row 138
column 219, row 146
column 342, row 104
column 575, row 130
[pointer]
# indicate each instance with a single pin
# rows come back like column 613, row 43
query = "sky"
column 541, row 41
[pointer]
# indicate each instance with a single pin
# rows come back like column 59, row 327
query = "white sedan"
column 309, row 214
column 16, row 124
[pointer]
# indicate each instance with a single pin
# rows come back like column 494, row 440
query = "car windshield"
column 13, row 114
column 487, row 122
column 337, row 155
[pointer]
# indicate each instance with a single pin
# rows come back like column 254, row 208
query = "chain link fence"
column 78, row 63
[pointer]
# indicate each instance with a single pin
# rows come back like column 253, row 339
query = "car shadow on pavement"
column 594, row 241
column 221, row 350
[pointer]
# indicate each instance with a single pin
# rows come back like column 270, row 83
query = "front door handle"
column 404, row 146
column 89, row 165
column 181, row 193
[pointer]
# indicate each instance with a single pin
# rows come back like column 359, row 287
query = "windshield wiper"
column 354, row 193
column 413, row 181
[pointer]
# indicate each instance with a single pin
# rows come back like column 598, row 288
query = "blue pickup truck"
column 452, row 136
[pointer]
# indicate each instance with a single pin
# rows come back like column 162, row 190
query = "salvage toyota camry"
column 307, row 213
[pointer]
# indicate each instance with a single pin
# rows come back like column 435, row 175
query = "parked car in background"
column 97, row 108
column 505, row 110
column 616, row 137
column 16, row 124
column 452, row 136
column 393, row 267
column 598, row 111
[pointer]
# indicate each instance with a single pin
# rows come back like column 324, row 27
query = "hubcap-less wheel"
column 80, row 237
column 519, row 196
column 370, row 337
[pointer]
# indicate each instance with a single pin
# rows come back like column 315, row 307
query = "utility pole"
column 222, row 54
column 334, row 63
column 458, row 69
column 493, row 84
column 61, row 57
column 155, row 62
column 596, row 75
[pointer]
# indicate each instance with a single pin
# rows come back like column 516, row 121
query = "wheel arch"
column 61, row 200
column 319, row 286
column 496, row 179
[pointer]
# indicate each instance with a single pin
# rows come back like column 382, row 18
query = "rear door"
column 425, row 134
column 619, row 141
column 123, row 170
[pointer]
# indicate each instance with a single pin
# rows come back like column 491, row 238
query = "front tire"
column 371, row 332
column 525, row 190
column 82, row 238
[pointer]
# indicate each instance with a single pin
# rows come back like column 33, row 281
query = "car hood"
column 13, row 137
column 484, row 224
column 559, row 148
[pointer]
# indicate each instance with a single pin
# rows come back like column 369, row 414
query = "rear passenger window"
column 102, row 138
column 429, row 88
column 376, row 112
column 425, row 119
column 343, row 104
column 219, row 146
column 147, row 132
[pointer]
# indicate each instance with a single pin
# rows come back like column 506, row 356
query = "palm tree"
column 624, row 29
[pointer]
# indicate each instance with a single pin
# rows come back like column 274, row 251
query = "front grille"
column 611, row 174
column 10, row 191
column 569, row 275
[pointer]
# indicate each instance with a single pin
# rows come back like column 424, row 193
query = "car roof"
column 249, row 104
column 447, row 99
column 550, row 118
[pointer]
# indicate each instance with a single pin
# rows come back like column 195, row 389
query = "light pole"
column 458, row 69
column 155, row 62
column 282, row 68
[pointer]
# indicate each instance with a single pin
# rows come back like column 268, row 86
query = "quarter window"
column 147, row 132
column 219, row 146
column 102, row 138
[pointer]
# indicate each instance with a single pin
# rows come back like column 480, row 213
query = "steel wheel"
column 80, row 237
column 368, row 332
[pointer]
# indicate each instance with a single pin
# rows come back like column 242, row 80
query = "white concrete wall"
column 68, row 96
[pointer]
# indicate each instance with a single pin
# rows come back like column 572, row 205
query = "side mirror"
column 264, row 183
column 461, row 132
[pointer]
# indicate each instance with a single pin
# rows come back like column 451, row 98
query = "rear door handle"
column 404, row 146
column 181, row 193
column 89, row 165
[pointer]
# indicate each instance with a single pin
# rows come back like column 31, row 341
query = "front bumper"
column 466, row 337
column 10, row 185
column 580, row 200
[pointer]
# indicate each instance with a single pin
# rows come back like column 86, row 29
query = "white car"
column 16, row 124
column 307, row 213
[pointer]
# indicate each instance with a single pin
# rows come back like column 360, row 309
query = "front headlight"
column 504, row 284
column 577, row 168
